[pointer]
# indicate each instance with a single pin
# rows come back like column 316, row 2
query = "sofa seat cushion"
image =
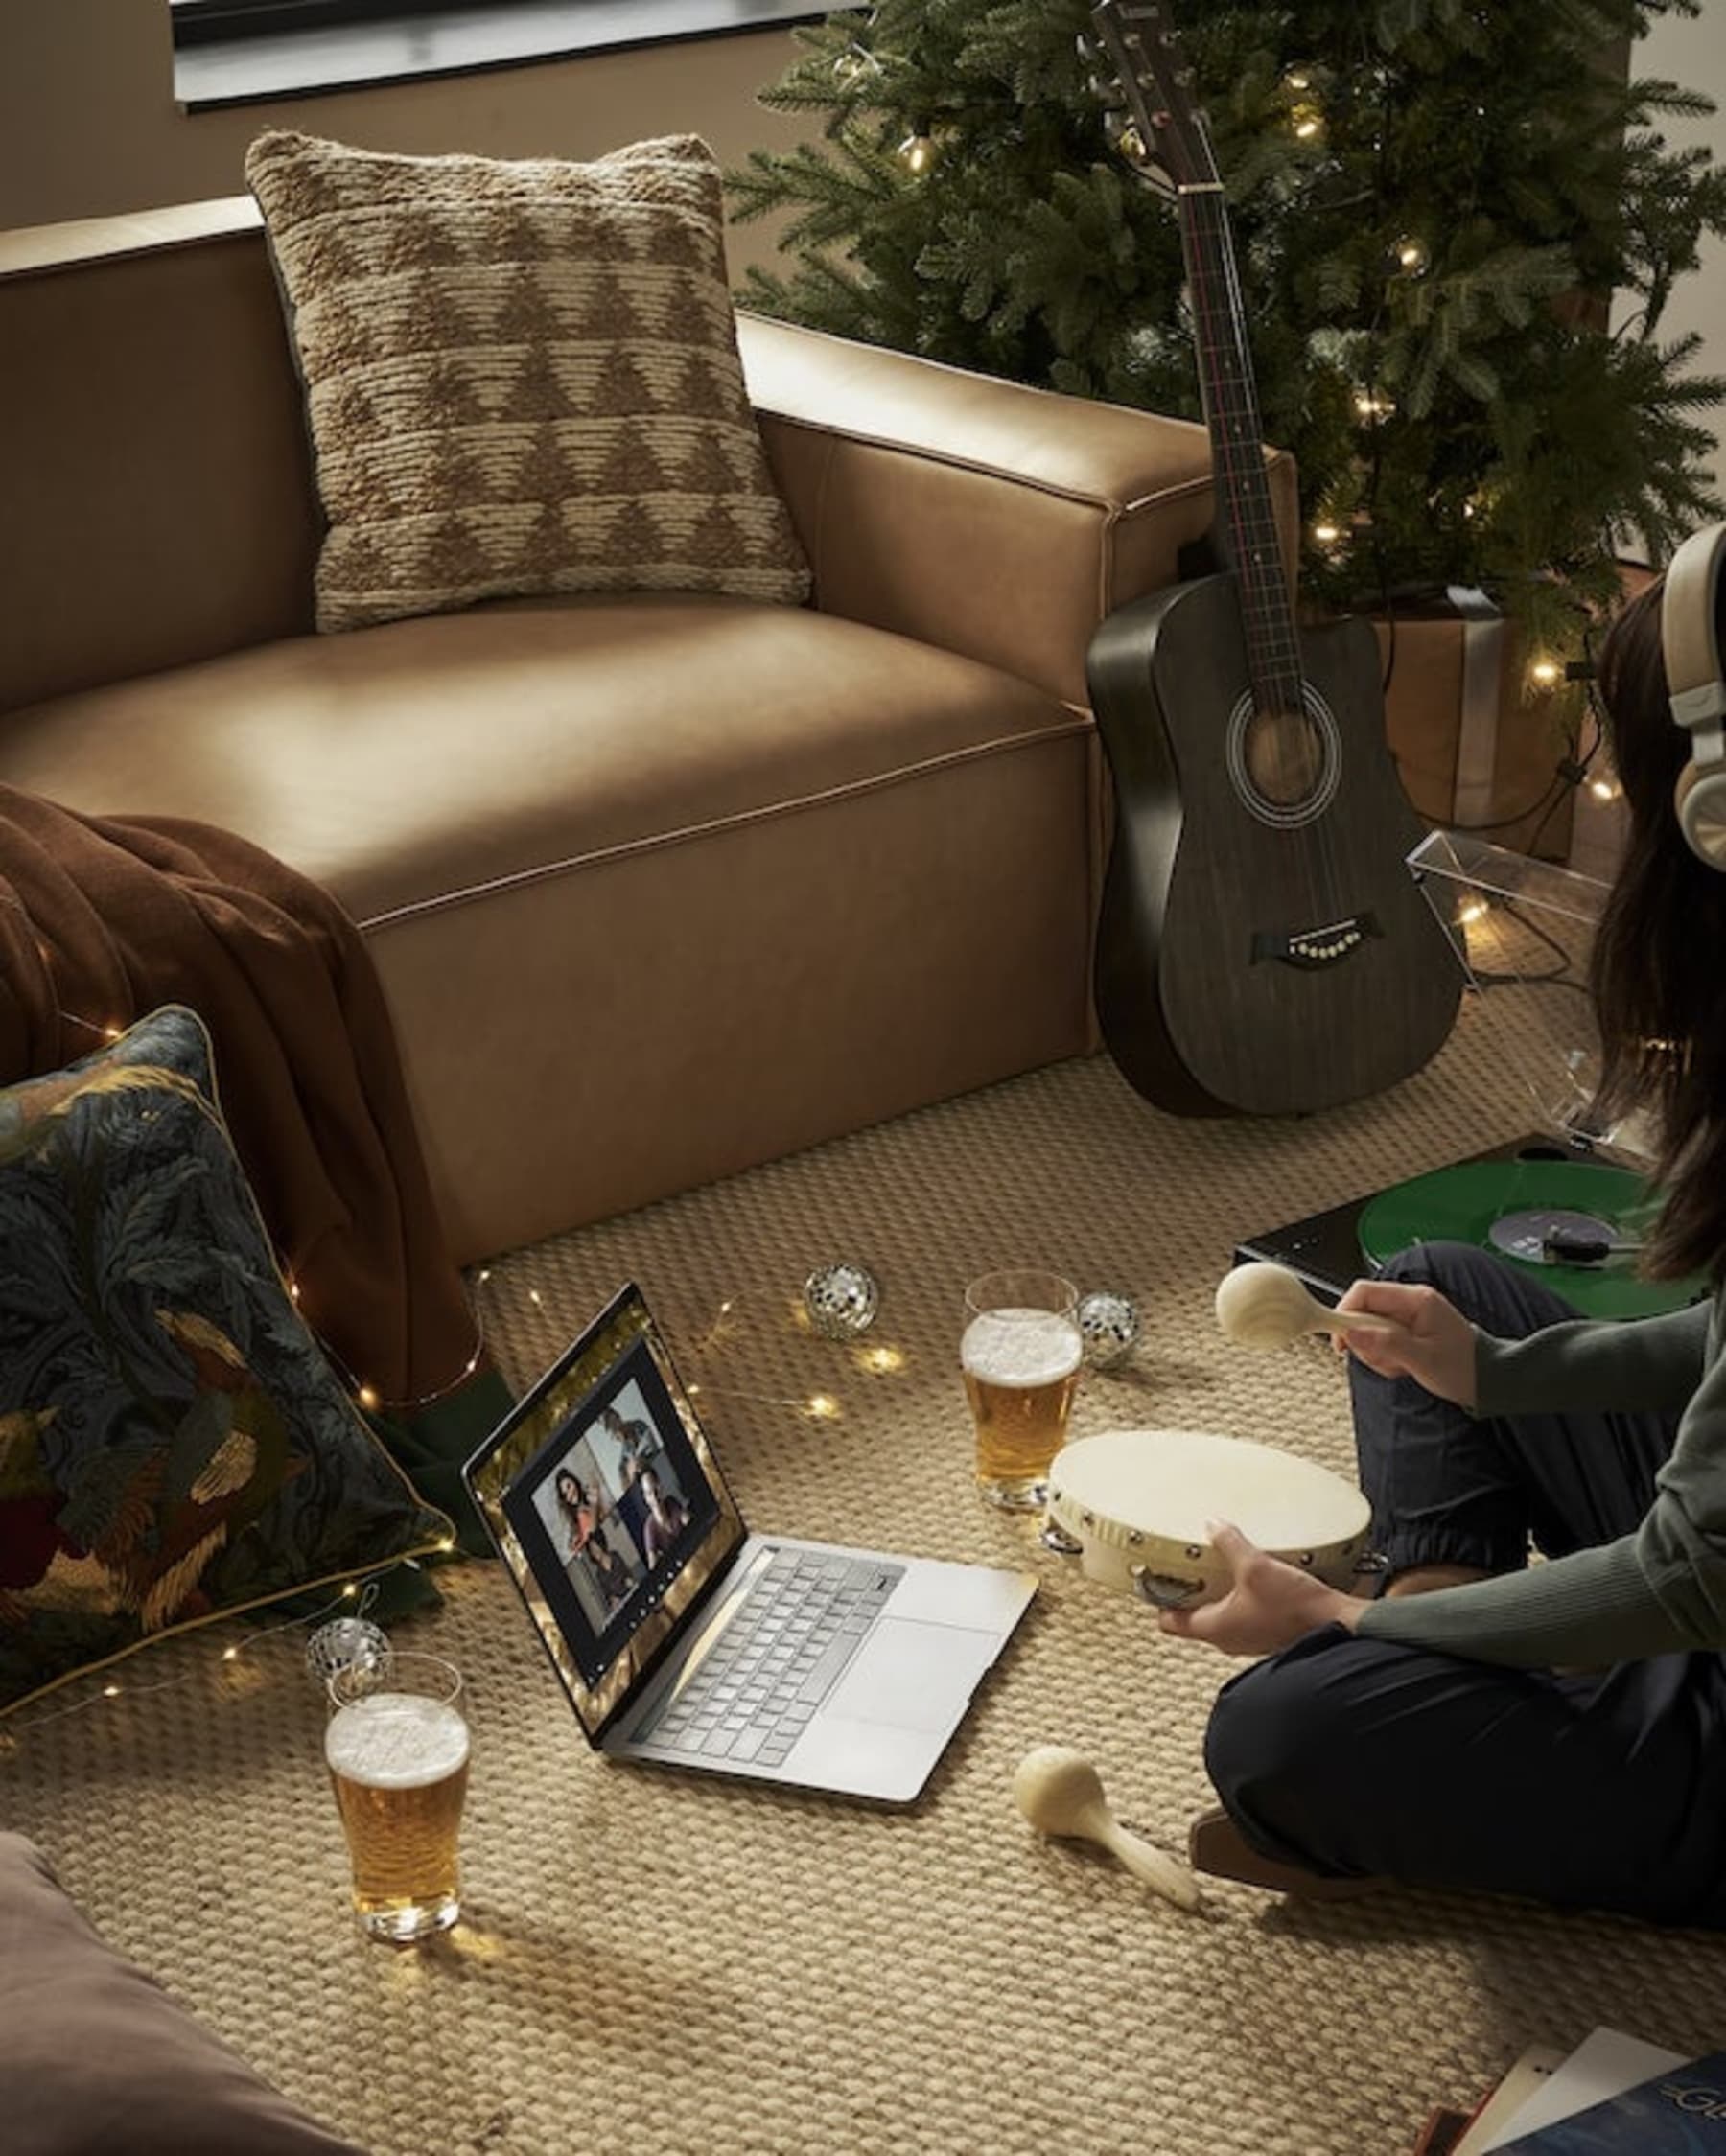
column 423, row 764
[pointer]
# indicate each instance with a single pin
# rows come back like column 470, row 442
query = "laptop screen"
column 606, row 1503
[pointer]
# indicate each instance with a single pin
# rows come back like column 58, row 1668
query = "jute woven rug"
column 667, row 1963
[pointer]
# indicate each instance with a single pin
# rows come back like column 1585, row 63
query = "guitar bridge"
column 1309, row 950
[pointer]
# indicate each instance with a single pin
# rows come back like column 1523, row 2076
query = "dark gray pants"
column 1605, row 1791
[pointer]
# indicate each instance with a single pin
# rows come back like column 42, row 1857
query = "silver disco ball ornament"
column 346, row 1643
column 842, row 1300
column 1110, row 1323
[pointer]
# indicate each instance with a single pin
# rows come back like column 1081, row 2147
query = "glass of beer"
column 396, row 1744
column 1021, row 1352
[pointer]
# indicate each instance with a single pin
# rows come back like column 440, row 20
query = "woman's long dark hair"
column 1659, row 962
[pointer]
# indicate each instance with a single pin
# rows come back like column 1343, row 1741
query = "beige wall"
column 1693, row 54
column 88, row 124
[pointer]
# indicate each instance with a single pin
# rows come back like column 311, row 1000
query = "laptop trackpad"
column 912, row 1675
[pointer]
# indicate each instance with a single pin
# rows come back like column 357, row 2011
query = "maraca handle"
column 1350, row 1321
column 1145, row 1860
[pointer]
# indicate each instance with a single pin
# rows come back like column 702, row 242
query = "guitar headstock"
column 1156, row 83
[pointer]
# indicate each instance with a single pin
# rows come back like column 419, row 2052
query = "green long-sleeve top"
column 1655, row 1591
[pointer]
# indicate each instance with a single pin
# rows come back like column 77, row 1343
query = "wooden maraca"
column 1060, row 1792
column 1264, row 1306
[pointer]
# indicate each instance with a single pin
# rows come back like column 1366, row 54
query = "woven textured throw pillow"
column 172, row 1443
column 521, row 378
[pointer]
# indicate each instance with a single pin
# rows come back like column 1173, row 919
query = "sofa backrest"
column 156, row 501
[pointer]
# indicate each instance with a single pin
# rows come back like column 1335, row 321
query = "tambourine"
column 1131, row 1505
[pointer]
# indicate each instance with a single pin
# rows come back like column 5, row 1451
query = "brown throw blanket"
column 103, row 920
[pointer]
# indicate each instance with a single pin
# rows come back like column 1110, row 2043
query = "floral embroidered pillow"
column 174, row 1444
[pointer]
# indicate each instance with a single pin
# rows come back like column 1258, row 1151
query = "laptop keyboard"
column 758, row 1687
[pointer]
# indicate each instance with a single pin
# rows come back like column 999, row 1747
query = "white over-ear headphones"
column 1690, row 640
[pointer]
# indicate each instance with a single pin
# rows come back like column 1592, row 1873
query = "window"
column 246, row 52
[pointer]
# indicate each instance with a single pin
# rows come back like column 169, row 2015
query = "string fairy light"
column 363, row 1592
column 364, row 1394
column 855, row 66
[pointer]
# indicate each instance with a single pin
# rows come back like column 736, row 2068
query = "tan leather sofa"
column 656, row 888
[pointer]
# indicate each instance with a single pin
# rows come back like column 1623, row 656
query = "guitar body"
column 1269, row 961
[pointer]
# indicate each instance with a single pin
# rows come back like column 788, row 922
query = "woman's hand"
column 1433, row 1342
column 1268, row 1604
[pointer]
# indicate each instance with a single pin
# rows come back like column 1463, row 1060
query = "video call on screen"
column 608, row 1509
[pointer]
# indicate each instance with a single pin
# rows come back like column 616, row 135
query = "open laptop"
column 683, row 1638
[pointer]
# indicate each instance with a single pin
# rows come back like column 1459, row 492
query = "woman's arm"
column 1652, row 1363
column 1658, row 1591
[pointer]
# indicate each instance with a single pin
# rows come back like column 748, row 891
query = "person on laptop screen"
column 666, row 1517
column 612, row 1573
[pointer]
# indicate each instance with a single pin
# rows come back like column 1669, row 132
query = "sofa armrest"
column 995, row 520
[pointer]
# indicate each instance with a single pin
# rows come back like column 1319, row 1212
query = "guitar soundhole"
column 1285, row 766
column 1285, row 757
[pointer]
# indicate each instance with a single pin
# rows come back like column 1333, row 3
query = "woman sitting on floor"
column 1556, row 1730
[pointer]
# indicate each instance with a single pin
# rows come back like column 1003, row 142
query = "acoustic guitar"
column 1263, row 948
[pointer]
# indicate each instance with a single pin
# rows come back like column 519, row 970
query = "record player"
column 1569, row 1200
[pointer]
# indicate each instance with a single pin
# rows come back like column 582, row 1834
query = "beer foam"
column 1014, row 1347
column 396, row 1740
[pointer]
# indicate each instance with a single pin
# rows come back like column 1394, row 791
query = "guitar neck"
column 1246, row 521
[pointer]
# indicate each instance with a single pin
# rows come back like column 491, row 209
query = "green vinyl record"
column 1464, row 1203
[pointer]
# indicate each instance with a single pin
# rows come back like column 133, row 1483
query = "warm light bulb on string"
column 917, row 152
column 1410, row 257
column 854, row 66
column 1546, row 673
column 1371, row 406
column 1126, row 141
column 1327, row 534
column 233, row 1656
column 1297, row 79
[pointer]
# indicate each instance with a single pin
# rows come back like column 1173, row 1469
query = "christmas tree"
column 1435, row 205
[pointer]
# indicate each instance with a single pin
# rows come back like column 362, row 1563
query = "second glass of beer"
column 396, row 1744
column 1021, row 1352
